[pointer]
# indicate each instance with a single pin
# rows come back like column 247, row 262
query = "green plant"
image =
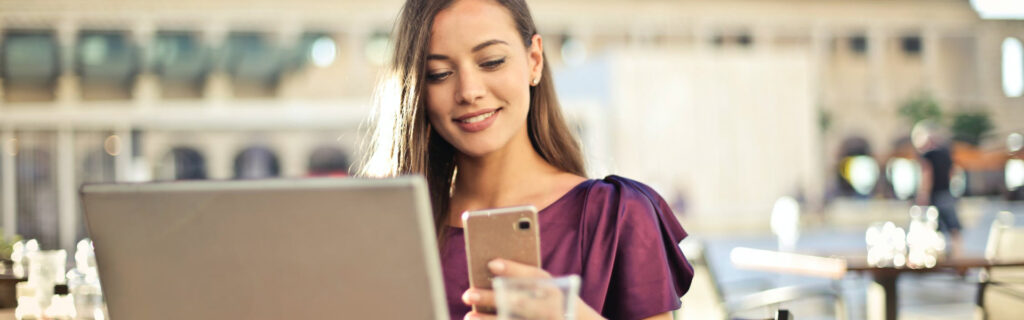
column 7, row 244
column 920, row 107
column 971, row 126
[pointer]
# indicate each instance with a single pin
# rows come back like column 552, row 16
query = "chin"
column 476, row 149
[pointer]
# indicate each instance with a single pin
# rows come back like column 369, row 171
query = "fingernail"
column 471, row 317
column 496, row 266
column 471, row 296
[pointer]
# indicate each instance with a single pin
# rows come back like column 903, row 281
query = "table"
column 886, row 277
column 836, row 266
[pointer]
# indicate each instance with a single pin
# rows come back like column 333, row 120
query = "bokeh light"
column 112, row 145
column 1013, row 67
column 1014, row 174
column 785, row 222
column 323, row 52
column 904, row 175
column 1014, row 142
column 861, row 172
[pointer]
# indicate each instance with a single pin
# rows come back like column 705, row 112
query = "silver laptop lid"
column 275, row 249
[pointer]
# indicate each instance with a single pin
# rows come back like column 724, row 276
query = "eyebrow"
column 476, row 48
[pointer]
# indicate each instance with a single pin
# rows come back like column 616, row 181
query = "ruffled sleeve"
column 633, row 267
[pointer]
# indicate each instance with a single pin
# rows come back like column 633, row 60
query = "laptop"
column 274, row 249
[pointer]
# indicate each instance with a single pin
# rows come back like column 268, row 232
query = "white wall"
column 732, row 131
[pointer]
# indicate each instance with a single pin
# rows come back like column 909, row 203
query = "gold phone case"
column 509, row 233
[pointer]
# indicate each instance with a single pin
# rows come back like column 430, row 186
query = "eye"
column 493, row 64
column 439, row 76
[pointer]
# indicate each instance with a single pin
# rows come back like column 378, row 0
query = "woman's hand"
column 540, row 308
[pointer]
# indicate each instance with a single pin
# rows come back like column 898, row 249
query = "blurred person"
column 936, row 161
column 476, row 114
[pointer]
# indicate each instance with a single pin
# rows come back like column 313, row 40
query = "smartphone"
column 508, row 233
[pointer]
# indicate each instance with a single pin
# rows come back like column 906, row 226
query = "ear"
column 535, row 54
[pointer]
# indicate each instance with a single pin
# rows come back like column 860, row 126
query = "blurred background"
column 727, row 107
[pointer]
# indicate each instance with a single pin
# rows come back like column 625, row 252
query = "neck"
column 501, row 178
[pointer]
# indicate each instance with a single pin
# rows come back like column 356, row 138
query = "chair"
column 763, row 296
column 1001, row 290
column 783, row 314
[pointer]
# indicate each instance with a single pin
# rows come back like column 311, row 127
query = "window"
column 29, row 65
column 718, row 39
column 857, row 171
column 859, row 44
column 182, row 163
column 254, row 65
column 106, row 62
column 181, row 62
column 911, row 45
column 328, row 161
column 1013, row 67
column 744, row 40
column 733, row 38
column 316, row 48
column 256, row 163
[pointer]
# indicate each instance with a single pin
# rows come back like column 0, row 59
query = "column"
column 293, row 149
column 931, row 46
column 8, row 184
column 146, row 90
column 123, row 162
column 218, row 84
column 67, row 195
column 1, row 80
column 878, row 93
column 702, row 34
column 287, row 37
column 814, row 185
column 820, row 58
column 764, row 39
column 68, row 87
column 355, row 59
column 988, row 64
column 219, row 148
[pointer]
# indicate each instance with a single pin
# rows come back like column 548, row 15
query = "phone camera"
column 524, row 224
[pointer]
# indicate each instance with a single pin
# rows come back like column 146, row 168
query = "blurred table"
column 886, row 277
column 835, row 266
column 6, row 314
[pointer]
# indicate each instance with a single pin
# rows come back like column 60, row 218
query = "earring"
column 536, row 81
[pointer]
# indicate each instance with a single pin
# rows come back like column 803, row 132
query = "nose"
column 470, row 87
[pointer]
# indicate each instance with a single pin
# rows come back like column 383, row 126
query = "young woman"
column 472, row 108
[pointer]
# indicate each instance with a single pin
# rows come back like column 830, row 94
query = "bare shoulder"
column 553, row 188
column 566, row 181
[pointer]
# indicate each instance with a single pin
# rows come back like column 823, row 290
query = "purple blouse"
column 617, row 234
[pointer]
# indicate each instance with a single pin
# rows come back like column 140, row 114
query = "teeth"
column 479, row 118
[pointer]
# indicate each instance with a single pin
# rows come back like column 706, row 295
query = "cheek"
column 512, row 86
column 438, row 107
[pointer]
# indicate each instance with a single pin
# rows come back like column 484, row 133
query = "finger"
column 502, row 267
column 478, row 297
column 473, row 315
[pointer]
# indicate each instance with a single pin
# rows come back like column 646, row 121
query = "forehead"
column 467, row 23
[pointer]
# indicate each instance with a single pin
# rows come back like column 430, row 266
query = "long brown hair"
column 403, row 141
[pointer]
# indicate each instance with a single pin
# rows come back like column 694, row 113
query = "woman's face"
column 478, row 77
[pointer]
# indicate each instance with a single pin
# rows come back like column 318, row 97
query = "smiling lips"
column 477, row 121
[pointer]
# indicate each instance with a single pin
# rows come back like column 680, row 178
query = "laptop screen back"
column 276, row 249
